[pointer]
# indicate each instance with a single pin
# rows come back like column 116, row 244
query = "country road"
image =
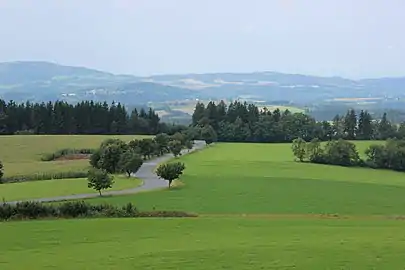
column 145, row 173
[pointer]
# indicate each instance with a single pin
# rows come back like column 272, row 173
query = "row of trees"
column 86, row 117
column 390, row 155
column 116, row 156
column 242, row 122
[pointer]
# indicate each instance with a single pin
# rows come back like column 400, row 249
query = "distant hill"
column 42, row 81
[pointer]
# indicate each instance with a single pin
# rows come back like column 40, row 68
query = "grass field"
column 259, row 209
column 203, row 243
column 263, row 178
column 59, row 187
column 21, row 155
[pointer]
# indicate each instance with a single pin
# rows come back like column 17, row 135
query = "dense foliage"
column 86, row 117
column 170, row 171
column 99, row 180
column 117, row 156
column 243, row 122
column 80, row 209
column 344, row 153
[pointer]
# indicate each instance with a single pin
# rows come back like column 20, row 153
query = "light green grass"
column 21, row 155
column 58, row 187
column 203, row 243
column 263, row 178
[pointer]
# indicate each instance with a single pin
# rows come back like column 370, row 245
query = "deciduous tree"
column 99, row 180
column 170, row 171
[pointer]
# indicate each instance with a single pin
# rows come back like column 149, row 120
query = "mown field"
column 58, row 187
column 264, row 178
column 21, row 155
column 203, row 243
column 259, row 209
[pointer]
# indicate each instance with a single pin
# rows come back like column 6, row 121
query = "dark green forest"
column 243, row 122
column 86, row 117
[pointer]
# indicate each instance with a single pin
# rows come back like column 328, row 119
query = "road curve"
column 146, row 173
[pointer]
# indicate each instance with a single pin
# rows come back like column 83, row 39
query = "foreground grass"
column 21, row 155
column 203, row 243
column 59, row 187
column 263, row 178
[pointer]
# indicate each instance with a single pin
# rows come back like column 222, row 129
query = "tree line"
column 243, row 122
column 390, row 155
column 86, row 117
column 116, row 156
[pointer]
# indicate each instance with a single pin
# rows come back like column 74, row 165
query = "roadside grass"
column 59, row 187
column 264, row 178
column 203, row 243
column 21, row 154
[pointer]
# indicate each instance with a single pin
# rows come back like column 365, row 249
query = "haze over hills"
column 43, row 81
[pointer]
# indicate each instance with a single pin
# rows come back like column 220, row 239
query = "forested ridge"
column 86, row 117
column 243, row 122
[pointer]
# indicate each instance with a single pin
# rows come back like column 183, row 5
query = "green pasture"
column 21, row 154
column 58, row 187
column 264, row 178
column 204, row 243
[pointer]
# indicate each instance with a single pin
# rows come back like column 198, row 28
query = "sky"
column 349, row 38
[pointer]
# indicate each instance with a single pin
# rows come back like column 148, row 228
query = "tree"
column 162, row 142
column 189, row 145
column 365, row 129
column 175, row 147
column 208, row 134
column 109, row 158
column 350, row 124
column 170, row 171
column 1, row 171
column 299, row 148
column 341, row 152
column 130, row 162
column 99, row 179
column 315, row 151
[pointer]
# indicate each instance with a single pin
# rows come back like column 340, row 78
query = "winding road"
column 146, row 173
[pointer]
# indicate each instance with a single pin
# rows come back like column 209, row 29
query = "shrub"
column 79, row 209
column 66, row 152
column 44, row 176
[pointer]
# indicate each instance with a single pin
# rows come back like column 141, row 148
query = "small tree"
column 1, row 171
column 99, row 180
column 175, row 147
column 315, row 151
column 299, row 148
column 170, row 171
column 189, row 145
column 130, row 162
column 208, row 134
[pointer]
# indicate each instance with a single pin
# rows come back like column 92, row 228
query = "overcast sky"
column 351, row 38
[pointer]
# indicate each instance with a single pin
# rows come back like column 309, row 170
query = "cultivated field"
column 21, row 155
column 258, row 210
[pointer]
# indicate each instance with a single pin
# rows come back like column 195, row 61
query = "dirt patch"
column 73, row 157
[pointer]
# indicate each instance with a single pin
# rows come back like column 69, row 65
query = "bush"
column 78, row 209
column 44, row 176
column 66, row 152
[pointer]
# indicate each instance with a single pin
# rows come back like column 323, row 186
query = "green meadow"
column 264, row 178
column 257, row 207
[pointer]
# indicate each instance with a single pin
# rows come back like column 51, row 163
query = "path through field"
column 146, row 174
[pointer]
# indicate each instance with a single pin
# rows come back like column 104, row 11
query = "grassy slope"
column 203, row 243
column 263, row 178
column 59, row 187
column 21, row 155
